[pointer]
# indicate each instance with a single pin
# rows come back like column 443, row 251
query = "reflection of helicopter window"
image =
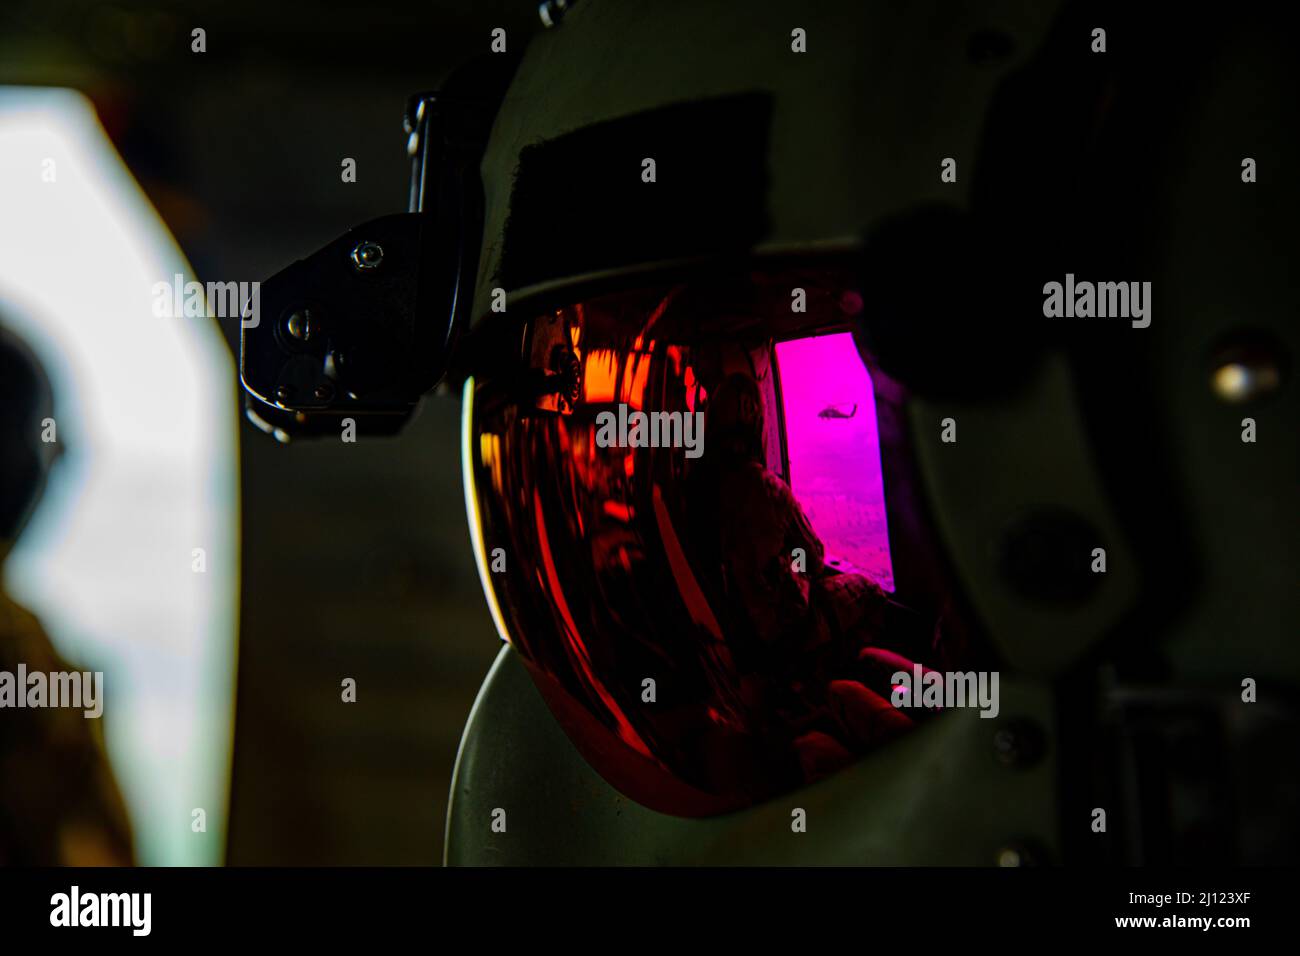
column 834, row 451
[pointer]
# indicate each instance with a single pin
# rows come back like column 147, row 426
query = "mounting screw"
column 1019, row 854
column 300, row 325
column 367, row 256
column 283, row 393
column 552, row 12
column 1247, row 366
column 1018, row 744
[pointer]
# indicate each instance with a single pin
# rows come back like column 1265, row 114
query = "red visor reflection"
column 704, row 612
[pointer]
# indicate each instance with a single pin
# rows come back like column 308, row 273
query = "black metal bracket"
column 365, row 326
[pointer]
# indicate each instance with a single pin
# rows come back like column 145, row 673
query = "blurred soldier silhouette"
column 59, row 803
column 804, row 619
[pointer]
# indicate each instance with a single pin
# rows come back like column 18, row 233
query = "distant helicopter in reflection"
column 843, row 410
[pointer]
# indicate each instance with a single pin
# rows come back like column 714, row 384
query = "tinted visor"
column 697, row 521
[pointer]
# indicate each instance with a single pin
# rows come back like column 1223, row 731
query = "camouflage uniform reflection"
column 808, row 627
column 59, row 803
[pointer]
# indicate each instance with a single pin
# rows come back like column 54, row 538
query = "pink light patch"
column 834, row 450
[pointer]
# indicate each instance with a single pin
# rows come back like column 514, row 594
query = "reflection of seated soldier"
column 59, row 804
column 810, row 626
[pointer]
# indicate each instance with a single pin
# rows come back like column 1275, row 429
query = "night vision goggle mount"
column 365, row 326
